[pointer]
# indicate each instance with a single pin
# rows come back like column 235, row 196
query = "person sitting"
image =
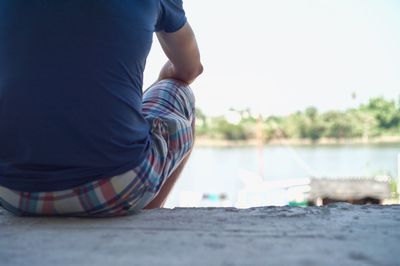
column 78, row 137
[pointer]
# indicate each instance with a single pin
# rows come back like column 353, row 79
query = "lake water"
column 221, row 170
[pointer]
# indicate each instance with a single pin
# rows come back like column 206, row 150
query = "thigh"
column 169, row 97
column 169, row 107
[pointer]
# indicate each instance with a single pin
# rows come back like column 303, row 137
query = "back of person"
column 78, row 137
column 71, row 88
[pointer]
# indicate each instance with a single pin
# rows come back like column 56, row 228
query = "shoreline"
column 208, row 142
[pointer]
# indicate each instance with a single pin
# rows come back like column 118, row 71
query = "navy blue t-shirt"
column 71, row 76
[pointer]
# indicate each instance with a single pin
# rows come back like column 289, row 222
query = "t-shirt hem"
column 60, row 185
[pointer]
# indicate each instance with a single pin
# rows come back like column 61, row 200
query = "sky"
column 278, row 57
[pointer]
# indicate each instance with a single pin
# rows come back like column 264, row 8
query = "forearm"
column 183, row 54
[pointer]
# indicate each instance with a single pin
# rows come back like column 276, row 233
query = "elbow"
column 201, row 69
column 198, row 71
column 191, row 74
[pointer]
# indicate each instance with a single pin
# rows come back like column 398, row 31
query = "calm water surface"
column 221, row 170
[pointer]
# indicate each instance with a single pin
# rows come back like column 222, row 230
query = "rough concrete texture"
column 339, row 234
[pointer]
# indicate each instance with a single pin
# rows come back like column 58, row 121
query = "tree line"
column 379, row 117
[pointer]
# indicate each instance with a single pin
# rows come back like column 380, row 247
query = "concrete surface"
column 339, row 234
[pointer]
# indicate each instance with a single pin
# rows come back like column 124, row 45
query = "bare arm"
column 183, row 54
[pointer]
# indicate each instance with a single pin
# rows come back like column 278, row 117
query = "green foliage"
column 201, row 123
column 338, row 125
column 271, row 128
column 378, row 117
column 385, row 112
column 394, row 188
column 222, row 129
column 304, row 125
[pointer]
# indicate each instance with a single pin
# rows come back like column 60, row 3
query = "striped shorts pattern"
column 168, row 106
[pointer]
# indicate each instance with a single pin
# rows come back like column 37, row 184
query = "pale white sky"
column 277, row 57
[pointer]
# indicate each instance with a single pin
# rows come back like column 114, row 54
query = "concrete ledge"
column 339, row 234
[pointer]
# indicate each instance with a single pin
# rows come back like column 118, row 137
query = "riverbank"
column 208, row 142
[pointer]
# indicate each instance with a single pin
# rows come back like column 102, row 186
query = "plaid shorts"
column 168, row 106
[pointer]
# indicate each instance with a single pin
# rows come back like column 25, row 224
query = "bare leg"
column 159, row 200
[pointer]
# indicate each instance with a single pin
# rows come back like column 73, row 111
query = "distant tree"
column 377, row 117
column 200, row 115
column 315, row 130
column 364, row 123
column 201, row 123
column 338, row 125
column 386, row 112
column 273, row 128
column 293, row 126
column 307, row 125
column 311, row 112
column 223, row 129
